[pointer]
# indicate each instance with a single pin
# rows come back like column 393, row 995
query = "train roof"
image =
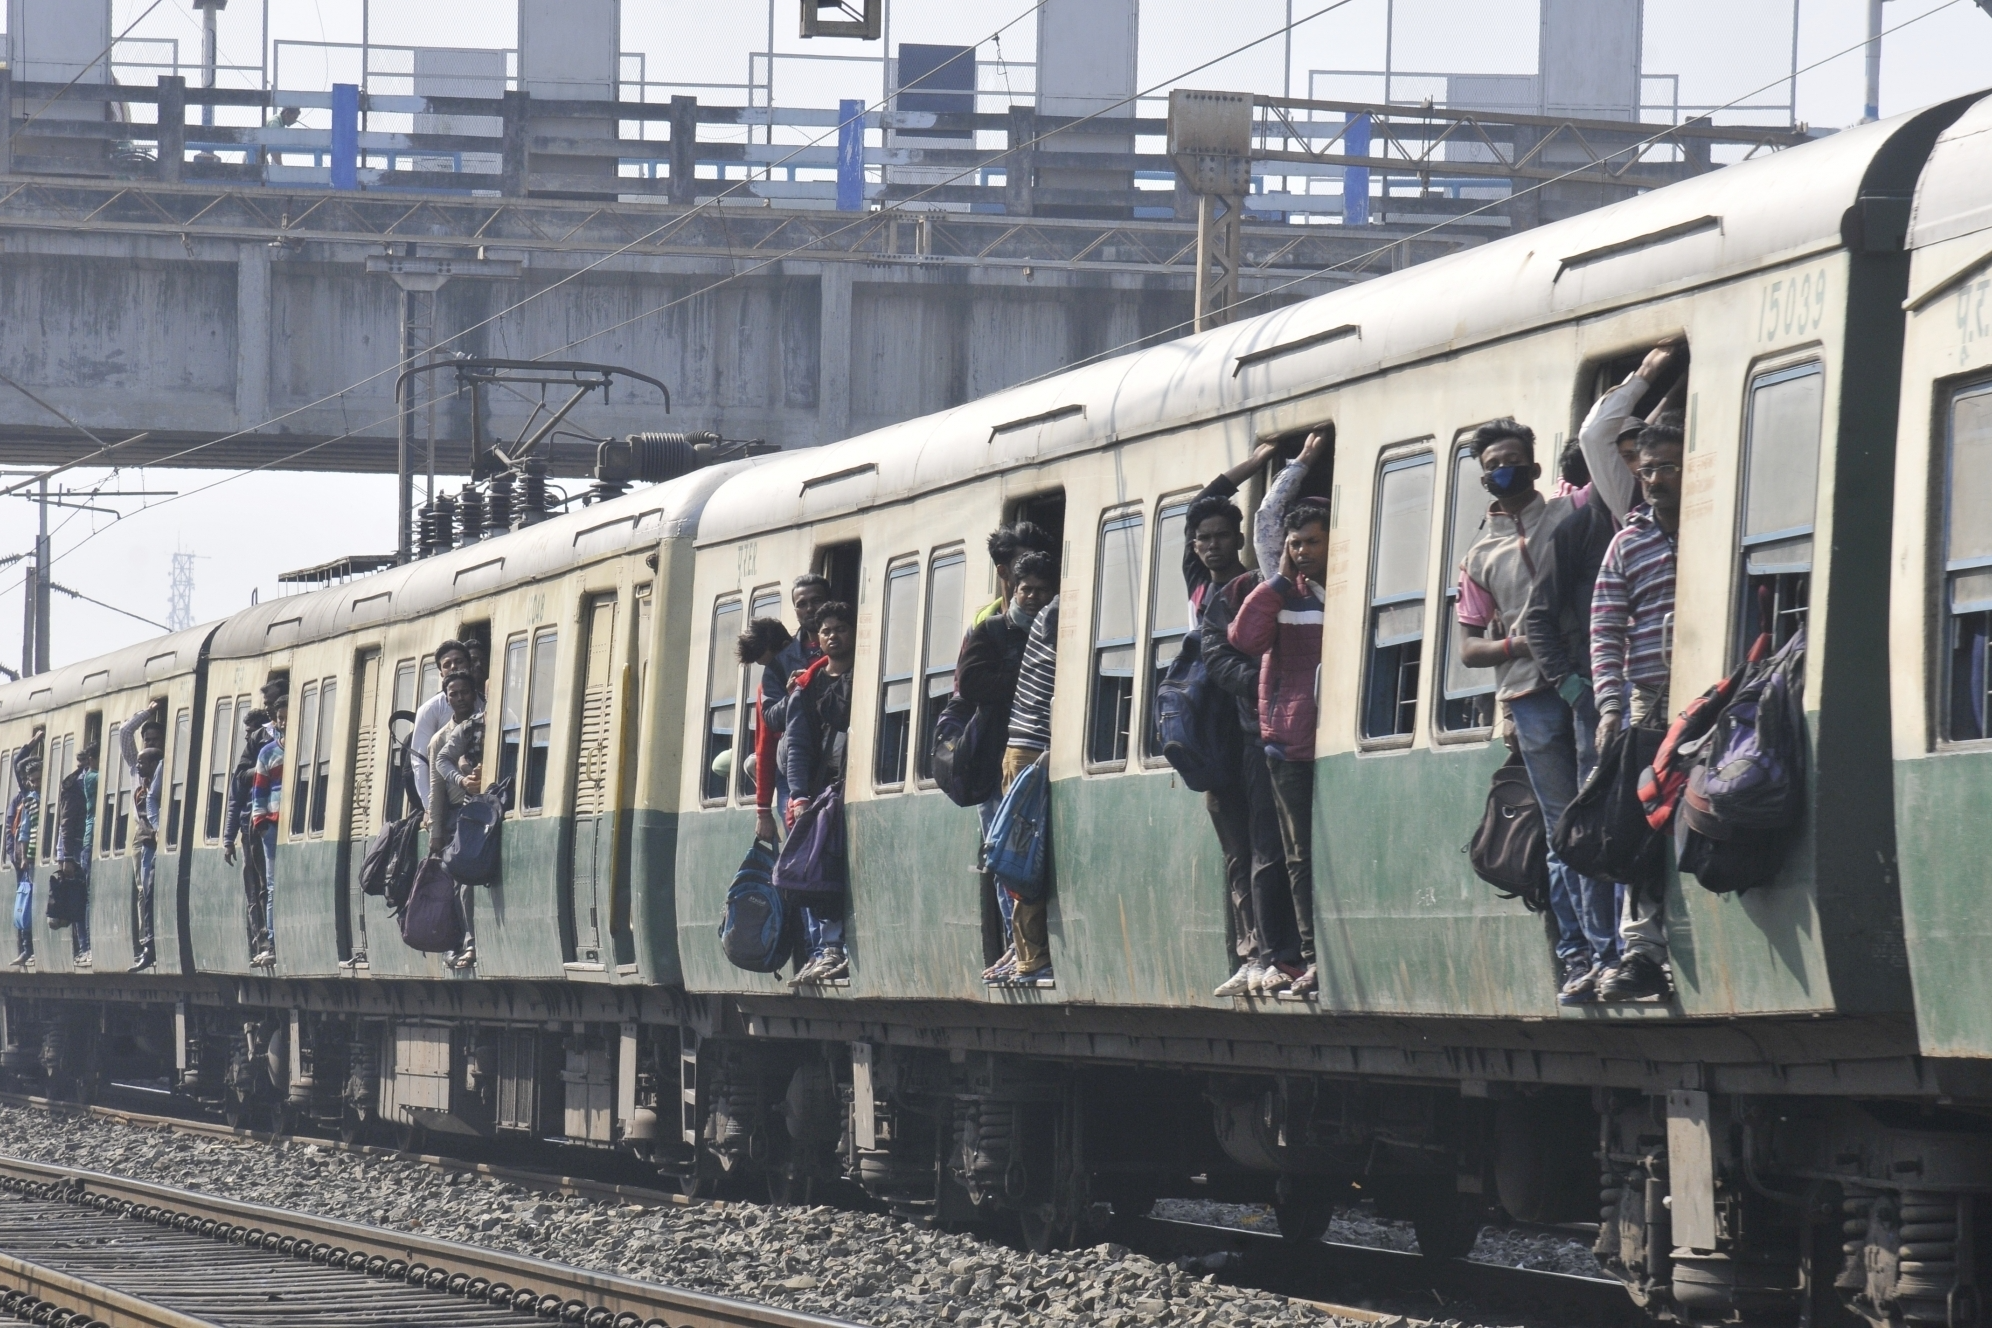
column 639, row 518
column 1954, row 192
column 1707, row 228
column 145, row 661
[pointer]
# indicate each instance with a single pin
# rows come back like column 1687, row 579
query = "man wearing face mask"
column 1496, row 577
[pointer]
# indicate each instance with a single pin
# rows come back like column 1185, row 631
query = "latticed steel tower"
column 180, row 606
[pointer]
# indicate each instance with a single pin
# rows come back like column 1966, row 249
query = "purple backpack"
column 812, row 858
column 431, row 921
column 1751, row 778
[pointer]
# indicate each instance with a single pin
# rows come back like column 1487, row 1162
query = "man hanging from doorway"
column 142, row 740
column 23, row 815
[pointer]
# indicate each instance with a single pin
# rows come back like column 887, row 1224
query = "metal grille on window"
column 398, row 737
column 1397, row 596
column 511, row 714
column 1780, row 492
column 947, row 588
column 1967, row 613
column 898, row 660
column 366, row 749
column 116, row 820
column 767, row 604
column 1468, row 695
column 176, row 789
column 598, row 711
column 321, row 774
column 722, row 701
column 1116, row 598
column 1168, row 608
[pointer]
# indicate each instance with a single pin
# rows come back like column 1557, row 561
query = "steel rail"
column 321, row 1245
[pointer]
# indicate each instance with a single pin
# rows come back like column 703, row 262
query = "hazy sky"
column 245, row 529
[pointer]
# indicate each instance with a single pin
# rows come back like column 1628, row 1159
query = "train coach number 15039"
column 1792, row 306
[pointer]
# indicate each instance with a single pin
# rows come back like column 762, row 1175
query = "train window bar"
column 1395, row 630
column 947, row 609
column 1780, row 493
column 1168, row 611
column 898, row 659
column 1967, row 589
column 722, row 702
column 1116, row 601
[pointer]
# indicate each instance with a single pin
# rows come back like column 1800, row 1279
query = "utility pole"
column 1210, row 139
column 208, row 8
column 34, row 607
column 1871, row 111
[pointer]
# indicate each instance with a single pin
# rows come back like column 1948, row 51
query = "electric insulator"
column 470, row 515
column 498, row 505
column 532, row 508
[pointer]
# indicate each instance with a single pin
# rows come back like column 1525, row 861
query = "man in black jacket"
column 986, row 674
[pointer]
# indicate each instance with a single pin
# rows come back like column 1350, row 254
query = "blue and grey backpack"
column 753, row 927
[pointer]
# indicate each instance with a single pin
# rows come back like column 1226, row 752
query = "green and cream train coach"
column 1827, row 1035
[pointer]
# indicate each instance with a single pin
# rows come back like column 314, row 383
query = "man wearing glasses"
column 1631, row 607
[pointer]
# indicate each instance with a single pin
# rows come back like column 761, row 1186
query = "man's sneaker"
column 1307, row 984
column 1276, row 978
column 807, row 973
column 263, row 959
column 143, row 962
column 831, row 966
column 1637, row 978
column 87, row 957
column 1580, row 983
column 20, row 961
column 1002, row 968
column 1240, row 983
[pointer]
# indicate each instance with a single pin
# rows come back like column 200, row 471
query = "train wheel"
column 1304, row 1220
column 1447, row 1230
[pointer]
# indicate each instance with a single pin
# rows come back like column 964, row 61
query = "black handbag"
column 1604, row 833
column 1510, row 849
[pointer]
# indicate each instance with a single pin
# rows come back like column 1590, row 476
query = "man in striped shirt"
column 1029, row 739
column 1632, row 616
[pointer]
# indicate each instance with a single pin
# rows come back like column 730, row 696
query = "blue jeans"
column 24, row 912
column 79, row 930
column 1559, row 750
column 1005, row 905
column 267, row 834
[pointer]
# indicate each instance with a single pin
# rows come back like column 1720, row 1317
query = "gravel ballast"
column 864, row 1267
column 1544, row 1251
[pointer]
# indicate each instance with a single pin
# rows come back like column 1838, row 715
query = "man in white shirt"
column 432, row 715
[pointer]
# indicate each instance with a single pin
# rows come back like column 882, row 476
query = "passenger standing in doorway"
column 455, row 774
column 433, row 715
column 75, row 839
column 1247, row 826
column 1280, row 624
column 23, row 816
column 241, row 798
column 142, row 740
column 986, row 672
column 808, row 593
column 1497, row 577
column 1557, row 622
column 266, row 809
column 1632, row 611
column 760, row 646
column 1029, row 740
column 818, row 720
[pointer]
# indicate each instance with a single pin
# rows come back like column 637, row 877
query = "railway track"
column 120, row 1252
column 1322, row 1274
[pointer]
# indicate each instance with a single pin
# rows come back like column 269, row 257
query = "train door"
column 636, row 686
column 592, row 865
column 362, row 797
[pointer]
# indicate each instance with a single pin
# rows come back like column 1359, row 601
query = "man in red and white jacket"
column 1280, row 622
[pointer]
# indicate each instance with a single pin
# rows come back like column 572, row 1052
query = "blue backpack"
column 1015, row 849
column 473, row 856
column 1195, row 721
column 753, row 927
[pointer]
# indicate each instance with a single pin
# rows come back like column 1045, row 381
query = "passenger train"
column 1803, row 1133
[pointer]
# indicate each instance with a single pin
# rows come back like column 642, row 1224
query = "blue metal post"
column 850, row 156
column 345, row 136
column 1356, row 179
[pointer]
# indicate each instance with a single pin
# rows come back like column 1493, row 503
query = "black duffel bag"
column 1510, row 849
column 1603, row 833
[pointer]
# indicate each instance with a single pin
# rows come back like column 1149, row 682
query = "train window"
column 722, row 700
column 221, row 748
column 301, row 753
column 321, row 775
column 115, row 824
column 431, row 682
column 947, row 602
column 403, row 700
column 1168, row 610
column 1396, row 626
column 1467, row 698
column 1968, row 565
column 1780, row 491
column 61, row 758
column 511, row 713
column 176, row 787
column 767, row 603
column 1116, row 599
column 898, row 659
column 539, row 718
